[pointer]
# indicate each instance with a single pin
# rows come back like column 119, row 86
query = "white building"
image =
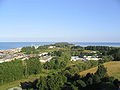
column 52, row 47
column 45, row 59
column 76, row 58
column 85, row 58
column 43, row 54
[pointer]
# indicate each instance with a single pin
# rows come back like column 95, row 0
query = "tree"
column 69, row 86
column 90, row 81
column 55, row 63
column 72, row 70
column 117, row 55
column 107, row 86
column 55, row 81
column 33, row 66
column 96, row 79
column 42, row 83
column 81, row 84
column 29, row 50
column 11, row 71
column 107, row 58
column 101, row 72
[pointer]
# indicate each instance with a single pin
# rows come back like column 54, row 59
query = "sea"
column 13, row 45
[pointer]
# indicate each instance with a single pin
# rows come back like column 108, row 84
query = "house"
column 76, row 58
column 92, row 58
column 52, row 47
column 93, row 52
column 43, row 54
column 11, row 50
column 45, row 58
column 1, row 61
column 85, row 58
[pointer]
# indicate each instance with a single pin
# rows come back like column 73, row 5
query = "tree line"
column 18, row 69
column 106, row 51
column 65, row 80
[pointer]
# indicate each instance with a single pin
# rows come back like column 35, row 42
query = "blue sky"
column 60, row 20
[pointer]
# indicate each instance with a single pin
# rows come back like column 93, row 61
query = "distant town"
column 12, row 54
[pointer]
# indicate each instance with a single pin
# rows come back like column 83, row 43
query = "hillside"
column 112, row 67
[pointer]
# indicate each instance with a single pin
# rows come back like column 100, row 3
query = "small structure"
column 85, row 58
column 45, row 58
column 52, row 47
column 76, row 58
column 92, row 58
column 93, row 52
column 11, row 50
column 43, row 54
column 1, row 61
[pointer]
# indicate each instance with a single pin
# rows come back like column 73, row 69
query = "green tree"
column 42, row 83
column 33, row 66
column 102, row 71
column 81, row 84
column 96, row 79
column 56, row 81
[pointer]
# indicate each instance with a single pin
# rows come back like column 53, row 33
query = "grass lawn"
column 112, row 67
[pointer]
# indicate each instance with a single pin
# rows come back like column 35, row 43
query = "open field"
column 112, row 67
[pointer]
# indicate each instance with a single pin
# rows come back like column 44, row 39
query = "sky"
column 60, row 20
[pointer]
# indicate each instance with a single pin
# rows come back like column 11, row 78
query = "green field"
column 113, row 69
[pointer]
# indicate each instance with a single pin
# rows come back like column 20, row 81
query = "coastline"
column 15, row 45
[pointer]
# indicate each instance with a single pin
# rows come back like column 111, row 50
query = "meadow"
column 113, row 69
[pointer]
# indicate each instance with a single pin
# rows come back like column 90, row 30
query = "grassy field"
column 113, row 69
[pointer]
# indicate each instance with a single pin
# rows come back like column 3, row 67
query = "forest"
column 66, row 80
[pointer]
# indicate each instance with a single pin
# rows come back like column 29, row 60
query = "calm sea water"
column 12, row 45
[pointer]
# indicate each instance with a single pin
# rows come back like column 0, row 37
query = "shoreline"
column 14, row 45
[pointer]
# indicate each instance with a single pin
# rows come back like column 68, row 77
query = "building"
column 45, row 59
column 43, row 54
column 76, row 58
column 11, row 50
column 85, row 58
column 52, row 47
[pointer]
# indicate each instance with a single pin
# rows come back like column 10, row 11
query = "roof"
column 45, row 58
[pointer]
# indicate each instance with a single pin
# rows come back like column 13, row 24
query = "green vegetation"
column 65, row 80
column 106, row 51
column 55, row 63
column 29, row 50
column 30, row 78
column 15, row 70
column 60, row 73
column 112, row 67
column 11, row 71
column 63, row 45
column 32, row 66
